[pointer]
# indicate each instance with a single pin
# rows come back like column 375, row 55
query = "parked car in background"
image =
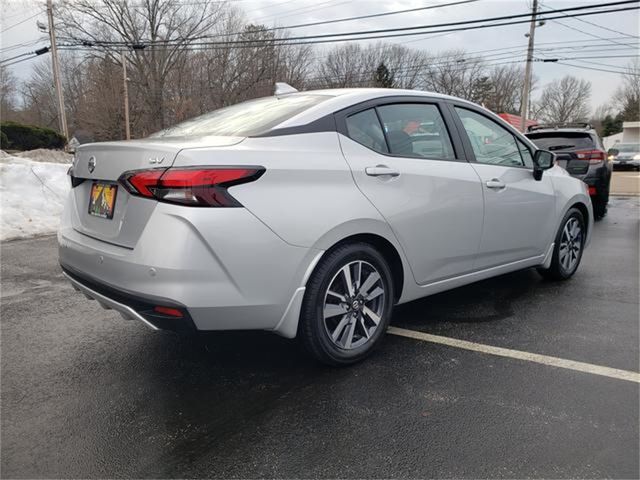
column 625, row 156
column 312, row 214
column 578, row 150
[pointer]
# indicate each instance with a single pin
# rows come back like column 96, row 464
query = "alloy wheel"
column 570, row 244
column 354, row 304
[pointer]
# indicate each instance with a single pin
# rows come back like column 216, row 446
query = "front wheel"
column 569, row 245
column 347, row 305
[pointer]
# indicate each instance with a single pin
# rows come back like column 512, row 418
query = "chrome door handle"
column 381, row 170
column 495, row 184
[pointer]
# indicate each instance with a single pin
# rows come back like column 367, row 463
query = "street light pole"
column 526, row 90
column 126, row 97
column 56, row 72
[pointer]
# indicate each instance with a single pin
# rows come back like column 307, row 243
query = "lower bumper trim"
column 131, row 306
column 125, row 311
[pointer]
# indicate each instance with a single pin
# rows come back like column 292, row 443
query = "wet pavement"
column 88, row 394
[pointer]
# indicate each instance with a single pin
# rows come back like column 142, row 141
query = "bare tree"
column 165, row 26
column 353, row 65
column 506, row 88
column 564, row 100
column 39, row 98
column 627, row 96
column 343, row 66
column 454, row 73
column 7, row 91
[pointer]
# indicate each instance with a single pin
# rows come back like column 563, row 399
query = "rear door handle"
column 381, row 170
column 495, row 184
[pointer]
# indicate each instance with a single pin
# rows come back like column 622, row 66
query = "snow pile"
column 48, row 156
column 32, row 195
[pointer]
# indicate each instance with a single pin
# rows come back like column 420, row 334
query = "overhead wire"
column 384, row 33
column 22, row 21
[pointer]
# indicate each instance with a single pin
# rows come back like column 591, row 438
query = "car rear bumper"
column 223, row 267
column 131, row 306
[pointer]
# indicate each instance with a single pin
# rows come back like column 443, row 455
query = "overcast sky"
column 576, row 33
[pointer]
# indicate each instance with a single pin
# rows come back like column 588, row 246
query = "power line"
column 623, row 69
column 17, row 56
column 361, row 17
column 19, row 61
column 305, row 9
column 21, row 22
column 348, row 19
column 593, row 35
column 598, row 69
column 597, row 25
column 312, row 39
column 18, row 45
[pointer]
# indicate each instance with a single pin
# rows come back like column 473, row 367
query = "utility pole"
column 126, row 96
column 56, row 71
column 526, row 90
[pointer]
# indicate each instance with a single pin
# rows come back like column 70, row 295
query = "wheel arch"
column 582, row 208
column 388, row 251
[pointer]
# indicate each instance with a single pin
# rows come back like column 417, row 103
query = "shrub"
column 4, row 141
column 29, row 137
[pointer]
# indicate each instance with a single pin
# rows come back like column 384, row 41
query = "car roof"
column 561, row 130
column 346, row 97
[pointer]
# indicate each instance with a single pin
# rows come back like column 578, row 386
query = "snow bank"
column 48, row 156
column 32, row 194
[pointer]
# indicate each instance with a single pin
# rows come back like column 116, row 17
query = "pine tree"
column 383, row 78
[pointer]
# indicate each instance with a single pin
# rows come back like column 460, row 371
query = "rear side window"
column 416, row 130
column 245, row 119
column 553, row 141
column 364, row 128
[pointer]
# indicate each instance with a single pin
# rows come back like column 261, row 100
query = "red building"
column 515, row 120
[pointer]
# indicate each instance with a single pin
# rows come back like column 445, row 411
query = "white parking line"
column 519, row 355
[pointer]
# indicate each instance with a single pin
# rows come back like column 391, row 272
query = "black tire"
column 314, row 333
column 557, row 271
column 600, row 204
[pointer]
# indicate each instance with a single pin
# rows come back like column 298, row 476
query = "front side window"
column 416, row 130
column 492, row 144
column 525, row 153
column 364, row 128
column 245, row 119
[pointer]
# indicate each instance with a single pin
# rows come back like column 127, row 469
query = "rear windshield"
column 244, row 119
column 562, row 141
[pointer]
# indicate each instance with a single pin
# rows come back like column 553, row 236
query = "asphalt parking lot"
column 87, row 394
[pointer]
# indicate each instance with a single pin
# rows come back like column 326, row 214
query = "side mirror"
column 613, row 152
column 542, row 160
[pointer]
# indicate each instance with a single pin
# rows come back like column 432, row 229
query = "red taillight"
column 172, row 312
column 593, row 156
column 592, row 190
column 201, row 187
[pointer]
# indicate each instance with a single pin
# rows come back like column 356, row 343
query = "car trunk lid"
column 102, row 164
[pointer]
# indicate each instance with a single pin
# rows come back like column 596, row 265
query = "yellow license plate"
column 102, row 200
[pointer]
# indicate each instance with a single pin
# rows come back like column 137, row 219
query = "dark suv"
column 578, row 150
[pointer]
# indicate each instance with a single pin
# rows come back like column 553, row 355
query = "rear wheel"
column 347, row 305
column 600, row 204
column 600, row 201
column 569, row 244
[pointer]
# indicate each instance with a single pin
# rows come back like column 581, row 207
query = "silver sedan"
column 311, row 214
